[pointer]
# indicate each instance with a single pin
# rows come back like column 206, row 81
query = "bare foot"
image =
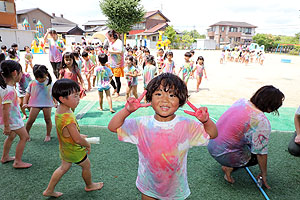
column 94, row 186
column 101, row 109
column 52, row 194
column 24, row 117
column 47, row 139
column 227, row 176
column 112, row 111
column 117, row 95
column 297, row 139
column 6, row 160
column 21, row 165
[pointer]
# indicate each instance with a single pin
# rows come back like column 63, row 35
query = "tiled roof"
column 61, row 21
column 95, row 22
column 156, row 28
column 231, row 23
column 133, row 32
column 151, row 13
column 20, row 12
column 65, row 29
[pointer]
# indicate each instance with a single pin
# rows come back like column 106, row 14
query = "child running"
column 28, row 58
column 169, row 65
column 38, row 97
column 163, row 140
column 69, row 69
column 186, row 68
column 73, row 147
column 10, row 116
column 199, row 71
column 131, row 77
column 103, row 76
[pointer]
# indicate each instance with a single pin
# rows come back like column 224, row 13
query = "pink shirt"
column 162, row 149
column 40, row 94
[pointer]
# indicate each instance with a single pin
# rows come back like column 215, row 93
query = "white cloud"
column 271, row 16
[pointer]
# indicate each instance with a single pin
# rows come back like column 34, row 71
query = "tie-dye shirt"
column 87, row 66
column 23, row 84
column 163, row 149
column 55, row 55
column 131, row 80
column 169, row 67
column 68, row 149
column 40, row 94
column 9, row 95
column 28, row 57
column 79, row 64
column 242, row 130
column 93, row 58
column 116, row 60
column 149, row 73
column 103, row 75
column 186, row 71
column 199, row 70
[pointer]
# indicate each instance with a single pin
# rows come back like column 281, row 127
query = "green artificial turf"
column 283, row 122
column 115, row 163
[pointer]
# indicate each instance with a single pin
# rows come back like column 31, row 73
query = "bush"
column 294, row 52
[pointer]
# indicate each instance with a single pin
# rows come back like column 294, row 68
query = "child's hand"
column 6, row 130
column 133, row 104
column 83, row 136
column 88, row 149
column 25, row 105
column 200, row 113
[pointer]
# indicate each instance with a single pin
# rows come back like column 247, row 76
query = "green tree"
column 170, row 33
column 122, row 14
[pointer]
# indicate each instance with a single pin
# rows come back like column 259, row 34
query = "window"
column 233, row 29
column 223, row 28
column 34, row 20
column 7, row 7
column 154, row 38
column 139, row 26
column 247, row 30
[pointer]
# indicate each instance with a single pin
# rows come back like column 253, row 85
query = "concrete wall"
column 21, row 37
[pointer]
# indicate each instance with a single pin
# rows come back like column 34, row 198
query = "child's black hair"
column 113, row 34
column 3, row 47
column 150, row 59
column 87, row 49
column 146, row 50
column 2, row 57
column 12, row 53
column 103, row 58
column 72, row 57
column 200, row 58
column 129, row 58
column 192, row 52
column 14, row 45
column 91, row 48
column 135, row 48
column 130, row 50
column 76, row 53
column 6, row 68
column 188, row 54
column 268, row 99
column 26, row 47
column 167, row 54
column 63, row 88
column 105, row 47
column 169, row 82
column 161, row 50
column 39, row 71
column 135, row 61
column 100, row 46
column 84, row 54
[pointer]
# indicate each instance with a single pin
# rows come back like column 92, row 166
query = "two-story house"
column 229, row 32
column 8, row 14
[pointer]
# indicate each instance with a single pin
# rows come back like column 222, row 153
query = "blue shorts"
column 103, row 89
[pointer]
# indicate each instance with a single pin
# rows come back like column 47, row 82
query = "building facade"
column 233, row 33
column 8, row 14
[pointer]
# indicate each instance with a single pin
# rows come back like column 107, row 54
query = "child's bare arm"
column 203, row 116
column 131, row 105
column 78, row 139
column 297, row 123
column 26, row 99
column 262, row 162
column 5, row 109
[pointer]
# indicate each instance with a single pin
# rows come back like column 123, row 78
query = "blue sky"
column 278, row 17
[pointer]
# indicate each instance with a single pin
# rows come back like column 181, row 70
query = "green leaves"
column 122, row 14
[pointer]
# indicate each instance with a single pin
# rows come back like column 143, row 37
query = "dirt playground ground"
column 226, row 82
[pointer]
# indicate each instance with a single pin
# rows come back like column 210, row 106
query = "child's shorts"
column 103, row 89
column 13, row 126
column 83, row 159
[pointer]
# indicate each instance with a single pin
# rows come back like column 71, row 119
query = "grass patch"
column 115, row 163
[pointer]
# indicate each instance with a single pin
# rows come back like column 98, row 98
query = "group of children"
column 242, row 56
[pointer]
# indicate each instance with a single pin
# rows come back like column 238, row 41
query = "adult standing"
column 116, row 57
column 244, row 132
column 294, row 145
column 56, row 48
